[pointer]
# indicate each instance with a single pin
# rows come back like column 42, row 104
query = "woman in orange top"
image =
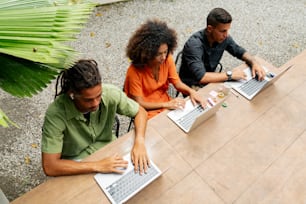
column 152, row 69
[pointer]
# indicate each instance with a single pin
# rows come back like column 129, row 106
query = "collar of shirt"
column 72, row 111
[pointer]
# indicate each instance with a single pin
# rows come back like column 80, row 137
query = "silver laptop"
column 192, row 116
column 121, row 187
column 250, row 87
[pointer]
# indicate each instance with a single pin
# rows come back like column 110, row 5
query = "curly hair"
column 144, row 44
column 84, row 74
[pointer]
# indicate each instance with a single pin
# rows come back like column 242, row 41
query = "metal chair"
column 173, row 93
column 130, row 124
column 3, row 198
column 178, row 60
column 116, row 126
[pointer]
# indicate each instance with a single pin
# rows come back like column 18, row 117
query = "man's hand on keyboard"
column 114, row 164
column 258, row 71
column 139, row 156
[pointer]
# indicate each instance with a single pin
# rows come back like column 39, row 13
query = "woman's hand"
column 176, row 103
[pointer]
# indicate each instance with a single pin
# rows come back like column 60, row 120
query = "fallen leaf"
column 295, row 45
column 107, row 45
column 27, row 160
column 92, row 34
column 188, row 30
column 34, row 145
column 98, row 14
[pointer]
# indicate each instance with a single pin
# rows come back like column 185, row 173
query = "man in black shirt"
column 203, row 51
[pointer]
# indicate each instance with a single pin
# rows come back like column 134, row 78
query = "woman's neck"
column 155, row 71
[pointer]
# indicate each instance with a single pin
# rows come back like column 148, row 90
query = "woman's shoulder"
column 169, row 60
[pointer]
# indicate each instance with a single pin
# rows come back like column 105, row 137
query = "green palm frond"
column 20, row 80
column 32, row 33
column 5, row 121
column 33, row 43
column 36, row 31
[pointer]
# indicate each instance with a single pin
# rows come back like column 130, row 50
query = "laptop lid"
column 211, row 109
column 206, row 115
column 281, row 73
column 270, row 78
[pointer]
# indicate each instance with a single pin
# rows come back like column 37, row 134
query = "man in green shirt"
column 80, row 121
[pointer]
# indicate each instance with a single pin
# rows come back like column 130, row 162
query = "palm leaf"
column 5, row 121
column 36, row 32
column 20, row 80
column 33, row 43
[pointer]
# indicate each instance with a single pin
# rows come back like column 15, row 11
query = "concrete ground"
column 274, row 30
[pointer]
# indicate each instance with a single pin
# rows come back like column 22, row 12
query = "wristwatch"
column 229, row 75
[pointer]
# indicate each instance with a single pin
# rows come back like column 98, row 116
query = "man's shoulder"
column 111, row 92
column 199, row 35
column 58, row 103
column 59, row 106
column 195, row 39
column 109, row 87
column 229, row 39
column 57, row 110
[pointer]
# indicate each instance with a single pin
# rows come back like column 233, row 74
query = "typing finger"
column 132, row 158
column 145, row 165
column 141, row 166
column 148, row 162
column 136, row 165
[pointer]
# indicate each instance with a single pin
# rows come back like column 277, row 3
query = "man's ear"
column 71, row 96
column 209, row 28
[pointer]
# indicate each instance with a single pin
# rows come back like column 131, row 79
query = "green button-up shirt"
column 67, row 131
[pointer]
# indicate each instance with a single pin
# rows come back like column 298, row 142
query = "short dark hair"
column 83, row 74
column 144, row 44
column 217, row 16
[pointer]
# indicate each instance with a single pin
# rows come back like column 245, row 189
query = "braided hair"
column 84, row 74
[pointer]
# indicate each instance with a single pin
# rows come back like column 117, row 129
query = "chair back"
column 173, row 93
column 178, row 61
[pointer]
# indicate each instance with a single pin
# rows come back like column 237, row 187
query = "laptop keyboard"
column 130, row 183
column 252, row 86
column 187, row 120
